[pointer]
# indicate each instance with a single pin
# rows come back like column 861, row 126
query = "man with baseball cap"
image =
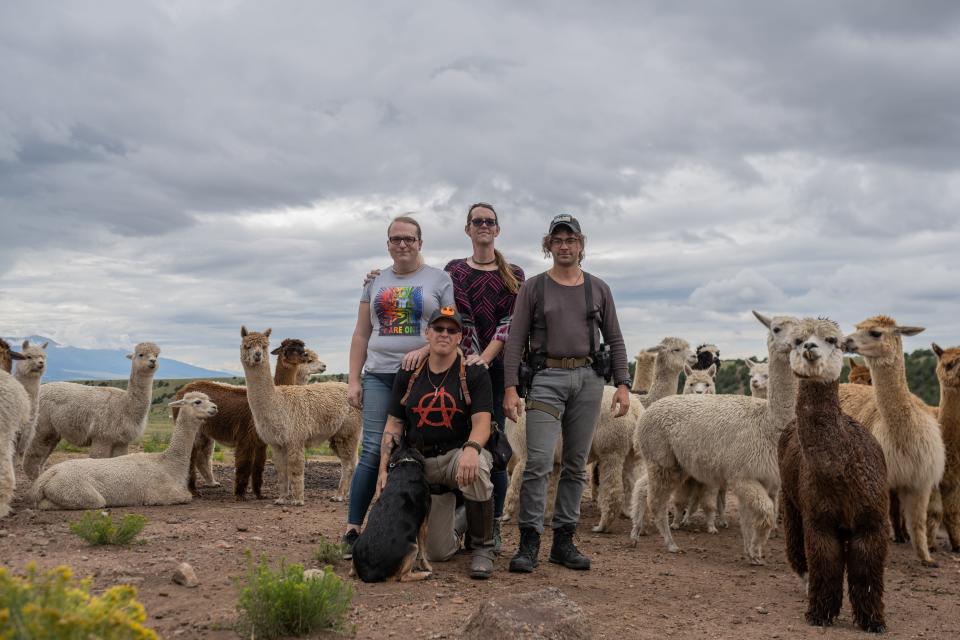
column 558, row 321
column 443, row 409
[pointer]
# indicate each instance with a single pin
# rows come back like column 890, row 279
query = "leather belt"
column 568, row 363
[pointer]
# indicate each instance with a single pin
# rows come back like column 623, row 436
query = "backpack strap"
column 463, row 379
column 413, row 378
column 591, row 314
column 539, row 312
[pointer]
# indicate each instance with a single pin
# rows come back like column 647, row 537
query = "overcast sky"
column 172, row 170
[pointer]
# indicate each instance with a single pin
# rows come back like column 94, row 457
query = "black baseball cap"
column 446, row 313
column 565, row 220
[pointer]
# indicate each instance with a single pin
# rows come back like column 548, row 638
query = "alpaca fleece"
column 14, row 418
column 948, row 373
column 28, row 373
column 834, row 507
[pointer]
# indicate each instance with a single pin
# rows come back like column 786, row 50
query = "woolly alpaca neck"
column 781, row 392
column 949, row 411
column 285, row 373
column 177, row 455
column 818, row 424
column 139, row 391
column 30, row 382
column 894, row 400
column 664, row 381
column 6, row 362
column 261, row 393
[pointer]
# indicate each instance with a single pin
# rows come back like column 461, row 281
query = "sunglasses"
column 481, row 222
column 448, row 330
column 398, row 240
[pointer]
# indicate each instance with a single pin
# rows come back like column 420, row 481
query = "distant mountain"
column 74, row 363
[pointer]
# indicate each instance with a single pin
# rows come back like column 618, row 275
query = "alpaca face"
column 817, row 352
column 314, row 364
column 879, row 338
column 196, row 404
column 34, row 360
column 675, row 353
column 778, row 340
column 145, row 358
column 293, row 352
column 700, row 382
column 254, row 347
column 948, row 366
column 759, row 376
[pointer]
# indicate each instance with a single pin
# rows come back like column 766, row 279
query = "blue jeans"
column 499, row 477
column 376, row 404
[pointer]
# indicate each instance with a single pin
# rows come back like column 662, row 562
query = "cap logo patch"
column 447, row 311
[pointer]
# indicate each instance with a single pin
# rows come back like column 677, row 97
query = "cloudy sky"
column 172, row 170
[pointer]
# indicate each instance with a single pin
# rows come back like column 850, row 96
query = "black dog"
column 391, row 546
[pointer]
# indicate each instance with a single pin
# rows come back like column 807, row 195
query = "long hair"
column 503, row 267
column 545, row 245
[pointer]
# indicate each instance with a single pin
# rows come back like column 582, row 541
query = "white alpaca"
column 901, row 422
column 643, row 372
column 29, row 371
column 103, row 418
column 314, row 366
column 14, row 418
column 291, row 418
column 759, row 377
column 134, row 479
column 720, row 440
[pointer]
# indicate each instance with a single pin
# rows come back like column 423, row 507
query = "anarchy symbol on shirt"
column 436, row 409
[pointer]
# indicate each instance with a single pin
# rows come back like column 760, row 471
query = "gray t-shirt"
column 399, row 309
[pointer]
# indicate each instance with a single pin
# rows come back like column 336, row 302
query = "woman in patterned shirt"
column 485, row 288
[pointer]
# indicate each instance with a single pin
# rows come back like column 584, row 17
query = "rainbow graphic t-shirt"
column 399, row 309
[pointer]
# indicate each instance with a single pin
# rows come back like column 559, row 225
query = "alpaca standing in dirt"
column 130, row 480
column 643, row 372
column 14, row 418
column 901, row 422
column 759, row 378
column 233, row 426
column 948, row 373
column 834, row 488
column 720, row 440
column 291, row 418
column 103, row 418
column 28, row 373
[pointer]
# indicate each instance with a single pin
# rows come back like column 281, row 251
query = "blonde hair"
column 408, row 220
column 503, row 267
column 545, row 245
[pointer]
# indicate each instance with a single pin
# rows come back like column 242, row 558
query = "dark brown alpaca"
column 834, row 488
column 233, row 425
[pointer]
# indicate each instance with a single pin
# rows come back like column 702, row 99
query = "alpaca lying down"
column 132, row 480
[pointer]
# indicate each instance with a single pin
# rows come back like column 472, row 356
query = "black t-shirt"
column 437, row 412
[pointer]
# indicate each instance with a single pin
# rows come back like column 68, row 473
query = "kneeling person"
column 443, row 410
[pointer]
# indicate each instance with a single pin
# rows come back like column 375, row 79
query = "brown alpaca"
column 7, row 356
column 948, row 373
column 902, row 423
column 859, row 373
column 834, row 488
column 233, row 426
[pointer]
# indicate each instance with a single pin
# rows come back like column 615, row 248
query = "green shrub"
column 66, row 447
column 328, row 552
column 284, row 603
column 156, row 443
column 97, row 527
column 53, row 605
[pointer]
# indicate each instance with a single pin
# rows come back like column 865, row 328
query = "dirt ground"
column 641, row 592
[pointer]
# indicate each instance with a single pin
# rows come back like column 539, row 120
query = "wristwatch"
column 628, row 383
column 472, row 445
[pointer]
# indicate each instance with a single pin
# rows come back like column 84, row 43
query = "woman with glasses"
column 485, row 286
column 394, row 308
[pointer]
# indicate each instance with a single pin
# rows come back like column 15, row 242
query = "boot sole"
column 516, row 569
column 575, row 567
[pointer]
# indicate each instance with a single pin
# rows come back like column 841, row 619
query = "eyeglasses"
column 398, row 240
column 450, row 330
column 559, row 242
column 480, row 222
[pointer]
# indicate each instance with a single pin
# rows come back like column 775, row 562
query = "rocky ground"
column 631, row 592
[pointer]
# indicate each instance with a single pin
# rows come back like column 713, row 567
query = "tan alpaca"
column 643, row 373
column 759, row 378
column 948, row 373
column 28, row 373
column 900, row 421
column 291, row 418
column 859, row 373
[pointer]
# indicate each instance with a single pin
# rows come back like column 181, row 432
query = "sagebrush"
column 54, row 605
column 98, row 528
column 280, row 603
column 328, row 552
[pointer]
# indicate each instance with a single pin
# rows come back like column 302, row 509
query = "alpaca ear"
column 712, row 371
column 177, row 403
column 750, row 364
column 937, row 349
column 763, row 319
column 45, row 345
column 25, row 345
column 243, row 331
column 17, row 356
column 687, row 369
column 266, row 334
column 656, row 349
column 129, row 356
column 909, row 331
column 275, row 352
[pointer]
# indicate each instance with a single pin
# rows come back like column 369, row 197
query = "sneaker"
column 349, row 539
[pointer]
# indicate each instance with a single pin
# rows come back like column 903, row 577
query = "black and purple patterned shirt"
column 484, row 302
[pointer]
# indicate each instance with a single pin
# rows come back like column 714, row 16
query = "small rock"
column 312, row 574
column 242, row 527
column 458, row 600
column 185, row 575
column 38, row 541
column 548, row 611
column 761, row 610
column 256, row 538
column 4, row 533
column 222, row 544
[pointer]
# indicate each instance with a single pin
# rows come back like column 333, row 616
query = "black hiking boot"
column 565, row 552
column 346, row 543
column 525, row 561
